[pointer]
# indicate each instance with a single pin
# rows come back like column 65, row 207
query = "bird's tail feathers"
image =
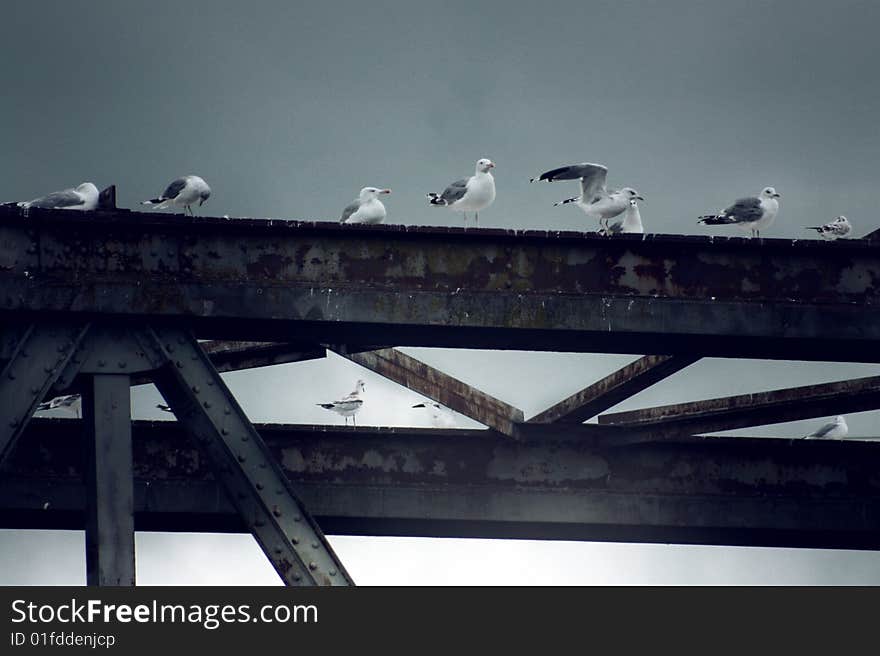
column 328, row 406
column 153, row 201
column 819, row 228
column 566, row 201
column 435, row 199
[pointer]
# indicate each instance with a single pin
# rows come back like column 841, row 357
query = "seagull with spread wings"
column 596, row 200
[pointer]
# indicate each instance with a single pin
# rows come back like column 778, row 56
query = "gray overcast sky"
column 288, row 109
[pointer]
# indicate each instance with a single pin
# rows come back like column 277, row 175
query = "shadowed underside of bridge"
column 95, row 302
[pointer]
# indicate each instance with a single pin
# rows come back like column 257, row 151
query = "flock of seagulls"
column 617, row 210
column 438, row 415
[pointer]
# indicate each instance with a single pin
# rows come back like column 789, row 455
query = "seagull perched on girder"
column 70, row 402
column 367, row 208
column 836, row 429
column 469, row 194
column 440, row 416
column 839, row 227
column 630, row 224
column 595, row 200
column 751, row 214
column 348, row 405
column 83, row 198
column 182, row 192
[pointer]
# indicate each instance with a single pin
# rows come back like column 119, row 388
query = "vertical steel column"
column 109, row 481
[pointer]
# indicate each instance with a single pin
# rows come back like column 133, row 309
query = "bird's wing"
column 174, row 188
column 349, row 210
column 592, row 177
column 455, row 191
column 745, row 210
column 58, row 199
column 822, row 432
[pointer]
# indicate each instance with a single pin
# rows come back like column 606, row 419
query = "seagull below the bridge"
column 348, row 405
column 182, row 192
column 440, row 417
column 70, row 402
column 834, row 430
column 596, row 200
column 750, row 214
column 471, row 194
column 839, row 227
column 366, row 208
column 83, row 198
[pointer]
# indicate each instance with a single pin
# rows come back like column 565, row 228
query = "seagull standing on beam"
column 348, row 405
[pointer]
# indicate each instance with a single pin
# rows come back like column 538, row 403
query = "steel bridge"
column 97, row 302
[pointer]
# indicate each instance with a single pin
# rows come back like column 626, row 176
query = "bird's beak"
column 639, row 198
column 491, row 165
column 777, row 195
column 201, row 200
column 385, row 191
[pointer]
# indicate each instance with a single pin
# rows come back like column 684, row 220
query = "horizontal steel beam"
column 276, row 280
column 372, row 481
column 757, row 409
column 441, row 387
column 613, row 389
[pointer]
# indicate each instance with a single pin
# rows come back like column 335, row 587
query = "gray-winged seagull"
column 182, row 192
column 83, row 198
column 367, row 208
column 631, row 223
column 469, row 194
column 595, row 200
column 833, row 430
column 751, row 214
column 349, row 404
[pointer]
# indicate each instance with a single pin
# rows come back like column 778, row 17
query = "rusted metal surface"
column 443, row 388
column 477, row 483
column 535, row 290
column 758, row 409
column 614, row 388
column 238, row 355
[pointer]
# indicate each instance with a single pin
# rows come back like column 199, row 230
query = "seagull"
column 72, row 402
column 367, row 208
column 182, row 192
column 349, row 404
column 469, row 194
column 839, row 227
column 440, row 416
column 595, row 200
column 835, row 429
column 83, row 198
column 630, row 224
column 752, row 214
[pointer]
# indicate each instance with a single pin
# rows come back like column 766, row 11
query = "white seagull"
column 469, row 194
column 836, row 429
column 367, row 208
column 839, row 227
column 349, row 404
column 83, row 198
column 630, row 224
column 182, row 192
column 595, row 200
column 71, row 402
column 440, row 416
column 751, row 214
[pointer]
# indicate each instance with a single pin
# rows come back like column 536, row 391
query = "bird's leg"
column 464, row 214
column 476, row 218
column 354, row 421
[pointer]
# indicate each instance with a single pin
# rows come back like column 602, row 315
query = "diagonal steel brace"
column 243, row 465
column 39, row 358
